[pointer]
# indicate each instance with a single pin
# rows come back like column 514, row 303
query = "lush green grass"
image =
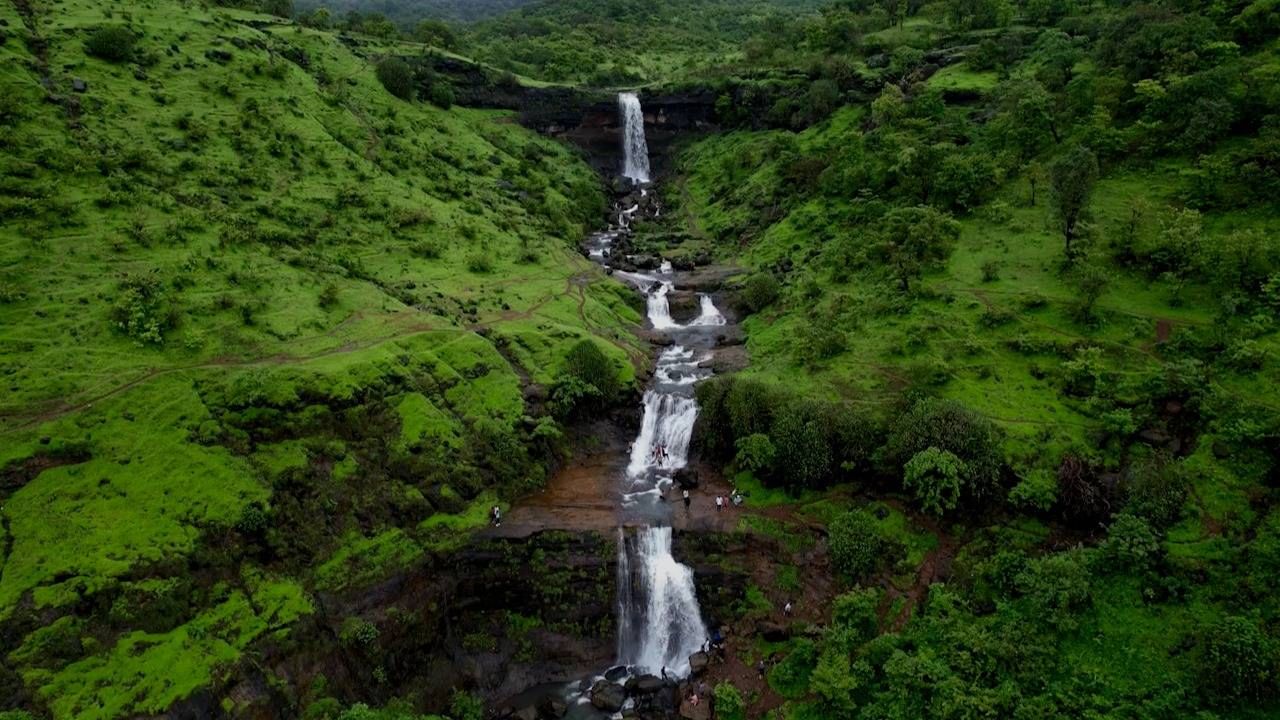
column 960, row 77
column 317, row 245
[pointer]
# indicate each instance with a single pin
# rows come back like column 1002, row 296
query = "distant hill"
column 407, row 12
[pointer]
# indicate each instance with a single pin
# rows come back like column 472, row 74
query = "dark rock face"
column 446, row 624
column 588, row 119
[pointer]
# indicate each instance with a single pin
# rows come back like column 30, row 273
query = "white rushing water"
column 635, row 151
column 659, row 623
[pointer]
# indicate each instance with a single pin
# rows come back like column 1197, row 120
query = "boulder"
column 698, row 663
column 615, row 673
column 528, row 712
column 648, row 684
column 79, row 85
column 687, row 479
column 608, row 696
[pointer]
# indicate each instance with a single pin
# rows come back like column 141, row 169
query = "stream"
column 659, row 623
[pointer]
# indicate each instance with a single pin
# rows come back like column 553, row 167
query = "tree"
column 1072, row 177
column 855, row 544
column 1091, row 281
column 113, row 44
column 1035, row 176
column 586, row 362
column 803, row 457
column 909, row 238
column 936, row 477
column 948, row 425
column 755, row 453
column 1026, row 120
column 437, row 33
column 397, row 77
column 1246, row 258
column 1179, row 248
column 279, row 8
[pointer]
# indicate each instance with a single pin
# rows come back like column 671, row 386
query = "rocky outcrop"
column 585, row 117
column 495, row 617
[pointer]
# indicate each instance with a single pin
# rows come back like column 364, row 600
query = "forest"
column 295, row 298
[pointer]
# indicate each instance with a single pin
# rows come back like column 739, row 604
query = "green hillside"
column 251, row 306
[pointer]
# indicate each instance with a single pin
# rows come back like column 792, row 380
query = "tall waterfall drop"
column 635, row 151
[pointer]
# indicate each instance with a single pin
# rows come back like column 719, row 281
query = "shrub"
column 357, row 632
column 143, row 311
column 396, row 76
column 1131, row 543
column 442, row 95
column 586, row 362
column 1057, row 587
column 728, row 702
column 1037, row 491
column 480, row 263
column 113, row 44
column 948, row 425
column 1240, row 661
column 755, row 453
column 936, row 478
column 855, row 544
column 758, row 292
column 1155, row 489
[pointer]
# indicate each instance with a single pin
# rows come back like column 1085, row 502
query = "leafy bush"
column 755, row 454
column 1057, row 588
column 728, row 702
column 1037, row 491
column 1155, row 489
column 949, row 426
column 936, row 478
column 442, row 95
column 759, row 292
column 589, row 380
column 113, row 44
column 396, row 76
column 1131, row 543
column 357, row 632
column 1240, row 661
column 143, row 311
column 855, row 544
column 480, row 262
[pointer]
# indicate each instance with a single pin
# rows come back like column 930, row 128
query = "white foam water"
column 635, row 150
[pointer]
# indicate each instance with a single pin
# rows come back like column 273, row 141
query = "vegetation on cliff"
column 265, row 330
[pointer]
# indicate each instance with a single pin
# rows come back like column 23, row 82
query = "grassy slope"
column 945, row 325
column 944, row 330
column 342, row 186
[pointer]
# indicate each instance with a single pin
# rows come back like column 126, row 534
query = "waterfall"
column 660, row 307
column 668, row 422
column 635, row 151
column 709, row 313
column 659, row 623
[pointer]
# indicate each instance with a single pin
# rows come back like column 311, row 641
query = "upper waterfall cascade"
column 635, row 151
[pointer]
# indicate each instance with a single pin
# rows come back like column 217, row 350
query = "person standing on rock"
column 719, row 503
column 687, row 501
